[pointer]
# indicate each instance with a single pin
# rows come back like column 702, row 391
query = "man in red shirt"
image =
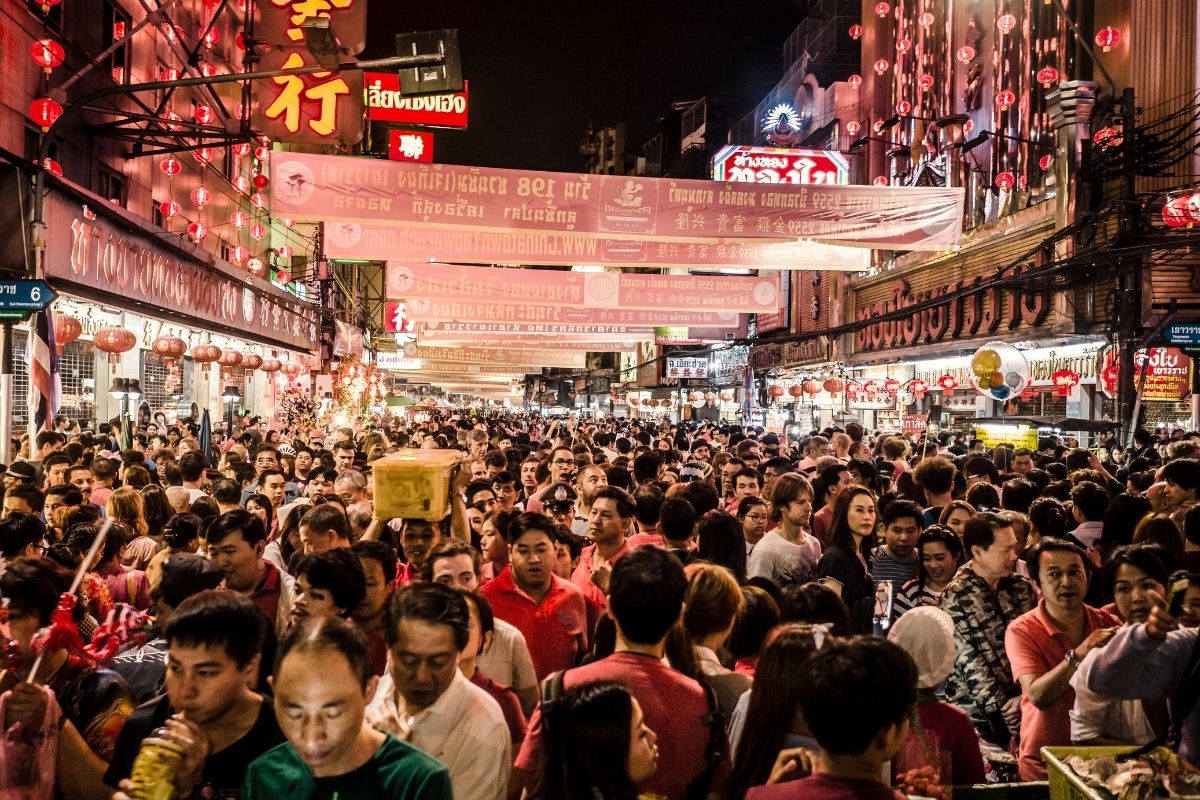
column 1045, row 646
column 550, row 612
column 646, row 600
column 235, row 544
column 609, row 522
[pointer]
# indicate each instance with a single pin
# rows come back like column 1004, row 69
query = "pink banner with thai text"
column 542, row 342
column 423, row 310
column 383, row 242
column 315, row 187
column 615, row 290
column 574, row 330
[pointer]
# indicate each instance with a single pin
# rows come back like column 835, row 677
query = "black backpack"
column 714, row 720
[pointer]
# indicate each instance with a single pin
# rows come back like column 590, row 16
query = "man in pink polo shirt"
column 550, row 612
column 609, row 522
column 1045, row 646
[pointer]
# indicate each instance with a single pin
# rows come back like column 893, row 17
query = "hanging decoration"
column 1047, row 77
column 881, row 66
column 948, row 384
column 834, row 385
column 1108, row 37
column 965, row 54
column 47, row 54
column 270, row 365
column 66, row 330
column 170, row 209
column 775, row 391
column 811, row 387
column 795, row 390
column 197, row 231
column 1175, row 213
column 357, row 387
column 114, row 341
column 882, row 9
column 205, row 353
column 1006, row 23
column 252, row 361
column 856, row 32
column 999, row 370
column 169, row 348
column 1005, row 99
column 1064, row 381
column 926, row 20
column 44, row 112
column 918, row 388
column 1005, row 181
column 854, row 81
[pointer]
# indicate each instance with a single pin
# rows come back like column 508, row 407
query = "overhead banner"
column 309, row 186
column 619, row 333
column 423, row 310
column 542, row 342
column 504, row 357
column 384, row 242
column 586, row 290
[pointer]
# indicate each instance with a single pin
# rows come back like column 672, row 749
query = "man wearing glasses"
column 562, row 470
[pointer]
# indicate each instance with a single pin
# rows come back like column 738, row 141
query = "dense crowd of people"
column 611, row 609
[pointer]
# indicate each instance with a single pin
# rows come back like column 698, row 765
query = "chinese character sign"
column 689, row 367
column 322, row 107
column 748, row 164
column 280, row 22
column 410, row 146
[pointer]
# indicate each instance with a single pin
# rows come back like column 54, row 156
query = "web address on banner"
column 434, row 243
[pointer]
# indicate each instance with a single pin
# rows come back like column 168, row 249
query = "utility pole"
column 1129, row 278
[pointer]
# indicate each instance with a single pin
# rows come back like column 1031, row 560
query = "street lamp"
column 125, row 391
column 230, row 396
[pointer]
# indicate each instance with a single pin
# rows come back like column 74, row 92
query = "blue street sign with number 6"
column 25, row 295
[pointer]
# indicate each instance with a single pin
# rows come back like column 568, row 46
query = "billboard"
column 687, row 367
column 743, row 163
column 386, row 103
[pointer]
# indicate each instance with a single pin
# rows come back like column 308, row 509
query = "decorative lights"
column 965, row 54
column 1005, row 181
column 1047, row 76
column 170, row 166
column 925, row 81
column 47, row 54
column 197, row 231
column 882, row 9
column 1005, row 99
column 854, row 81
column 169, row 209
column 239, row 219
column 926, row 20
column 856, row 32
column 1006, row 23
column 881, row 66
column 201, row 196
column 44, row 112
column 1108, row 37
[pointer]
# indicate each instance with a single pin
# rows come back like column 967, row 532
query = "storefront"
column 111, row 272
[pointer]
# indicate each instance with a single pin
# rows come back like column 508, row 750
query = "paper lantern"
column 242, row 184
column 169, row 209
column 1047, row 76
column 1175, row 213
column 258, row 200
column 795, row 390
column 1005, row 99
column 726, row 395
column 882, row 9
column 53, row 167
column 238, row 254
column 44, row 112
column 1046, row 161
column 201, row 196
column 290, row 368
column 230, row 358
column 833, row 385
column 1106, row 137
column 197, row 231
column 1005, row 181
column 926, row 20
column 210, row 37
column 1108, row 37
column 271, row 365
column 170, row 166
column 880, row 180
column 881, row 66
column 633, row 401
column 925, row 81
column 171, row 117
column 205, row 353
column 261, row 182
column 283, row 276
column 918, row 388
column 203, row 114
column 207, row 70
column 239, row 219
column 203, row 155
column 47, row 54
column 1064, row 381
column 856, row 32
column 694, row 397
column 114, row 341
column 775, row 390
column 667, row 403
column 870, row 389
column 710, row 396
column 903, row 108
column 168, row 74
column 1005, row 23
column 284, row 251
column 262, row 152
column 252, row 361
column 169, row 348
column 854, row 81
column 891, row 386
column 948, row 383
column 903, row 45
column 257, row 231
column 241, row 149
column 66, row 330
column 651, row 403
column 965, row 54
column 853, row 127
column 811, row 387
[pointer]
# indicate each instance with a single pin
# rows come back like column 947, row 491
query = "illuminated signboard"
column 386, row 103
column 742, row 163
column 410, row 146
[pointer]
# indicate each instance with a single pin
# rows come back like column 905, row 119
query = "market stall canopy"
column 1057, row 423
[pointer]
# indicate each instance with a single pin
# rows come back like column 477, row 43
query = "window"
column 117, row 25
column 110, row 185
column 77, row 372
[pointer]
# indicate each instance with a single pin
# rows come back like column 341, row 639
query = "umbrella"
column 206, row 436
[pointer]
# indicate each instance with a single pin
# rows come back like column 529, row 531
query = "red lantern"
column 926, row 20
column 1005, row 99
column 171, row 117
column 238, row 254
column 1106, row 137
column 170, row 166
column 1065, row 380
column 230, row 358
column 201, row 196
column 1193, row 208
column 1005, row 181
column 903, row 108
column 271, row 365
column 169, row 348
column 904, row 45
column 852, row 391
column 66, row 330
column 891, row 386
column 880, row 180
column 833, row 385
column 726, row 395
column 210, row 37
column 53, row 167
column 633, row 401
column 812, row 387
column 203, row 114
column 1005, row 23
column 795, row 390
column 948, row 383
column 47, row 54
column 252, row 361
column 1045, row 161
column 114, row 341
column 1047, row 76
column 197, row 230
column 853, row 127
column 241, row 149
column 965, row 54
column 694, row 397
column 284, row 251
column 242, row 184
column 856, row 32
column 775, row 390
column 882, row 9
column 291, row 369
column 918, row 388
column 169, row 209
column 258, row 200
column 239, row 219
column 262, row 152
column 870, row 389
column 881, row 66
column 203, row 155
column 854, row 81
column 710, row 396
column 257, row 231
column 261, row 182
column 168, row 74
column 44, row 112
column 1175, row 213
column 925, row 81
column 1108, row 37
column 205, row 353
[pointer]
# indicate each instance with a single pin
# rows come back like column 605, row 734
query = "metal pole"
column 6, row 378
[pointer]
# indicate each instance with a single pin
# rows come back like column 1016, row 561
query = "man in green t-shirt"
column 322, row 683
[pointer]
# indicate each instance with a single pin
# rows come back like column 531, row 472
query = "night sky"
column 539, row 71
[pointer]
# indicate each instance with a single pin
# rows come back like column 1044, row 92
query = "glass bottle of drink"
column 153, row 773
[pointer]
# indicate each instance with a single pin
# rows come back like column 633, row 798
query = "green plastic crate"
column 1066, row 785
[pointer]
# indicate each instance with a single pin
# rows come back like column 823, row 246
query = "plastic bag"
column 27, row 756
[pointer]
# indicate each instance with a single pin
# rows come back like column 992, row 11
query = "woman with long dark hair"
column 768, row 718
column 720, row 541
column 597, row 746
column 847, row 558
column 940, row 554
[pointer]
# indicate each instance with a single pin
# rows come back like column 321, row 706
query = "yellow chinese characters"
column 305, row 10
column 297, row 93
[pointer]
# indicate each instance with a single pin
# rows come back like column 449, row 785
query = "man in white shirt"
column 425, row 700
column 1088, row 504
column 788, row 554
